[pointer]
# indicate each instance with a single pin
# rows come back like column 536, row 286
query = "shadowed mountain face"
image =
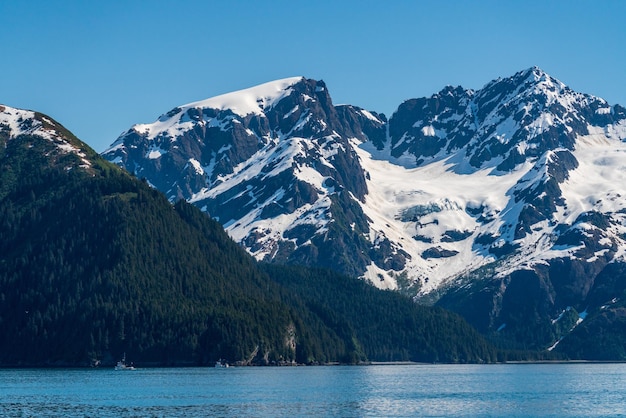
column 506, row 203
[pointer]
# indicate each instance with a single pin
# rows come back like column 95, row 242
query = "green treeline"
column 383, row 325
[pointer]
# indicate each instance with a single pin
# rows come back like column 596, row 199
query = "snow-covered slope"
column 252, row 101
column 471, row 198
column 18, row 122
column 469, row 177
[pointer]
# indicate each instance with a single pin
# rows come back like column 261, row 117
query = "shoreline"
column 329, row 364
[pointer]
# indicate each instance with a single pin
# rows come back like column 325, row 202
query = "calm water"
column 374, row 391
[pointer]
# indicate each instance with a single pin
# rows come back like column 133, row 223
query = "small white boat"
column 221, row 364
column 121, row 365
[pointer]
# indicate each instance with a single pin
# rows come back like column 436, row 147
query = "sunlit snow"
column 394, row 190
column 24, row 122
column 251, row 100
column 254, row 100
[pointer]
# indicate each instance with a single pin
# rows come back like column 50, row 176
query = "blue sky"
column 99, row 67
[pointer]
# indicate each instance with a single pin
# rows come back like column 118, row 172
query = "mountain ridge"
column 503, row 179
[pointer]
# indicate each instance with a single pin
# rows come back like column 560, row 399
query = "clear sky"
column 99, row 67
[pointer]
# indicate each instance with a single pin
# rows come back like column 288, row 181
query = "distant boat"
column 121, row 365
column 221, row 364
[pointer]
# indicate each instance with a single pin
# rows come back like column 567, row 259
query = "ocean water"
column 528, row 390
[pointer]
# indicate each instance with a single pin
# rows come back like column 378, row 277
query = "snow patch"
column 369, row 116
column 428, row 130
column 196, row 165
column 252, row 100
column 379, row 278
column 405, row 202
column 154, row 153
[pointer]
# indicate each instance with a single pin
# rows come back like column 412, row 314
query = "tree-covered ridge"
column 383, row 325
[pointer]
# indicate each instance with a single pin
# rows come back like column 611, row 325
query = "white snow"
column 155, row 153
column 541, row 124
column 428, row 130
column 599, row 179
column 379, row 277
column 581, row 317
column 251, row 100
column 16, row 120
column 558, row 318
column 400, row 193
column 505, row 130
column 370, row 116
column 291, row 112
column 274, row 228
column 280, row 154
column 395, row 189
column 196, row 166
column 24, row 122
column 553, row 346
column 415, row 206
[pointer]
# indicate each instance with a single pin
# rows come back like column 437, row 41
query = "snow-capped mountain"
column 503, row 203
column 273, row 164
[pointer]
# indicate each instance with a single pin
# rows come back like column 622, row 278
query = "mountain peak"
column 271, row 175
column 499, row 193
column 250, row 100
column 533, row 71
column 530, row 81
column 538, row 77
column 454, row 91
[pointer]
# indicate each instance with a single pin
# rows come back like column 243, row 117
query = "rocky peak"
column 272, row 163
column 198, row 144
column 501, row 125
column 363, row 125
column 420, row 126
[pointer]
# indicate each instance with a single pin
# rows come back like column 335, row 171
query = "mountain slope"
column 471, row 198
column 94, row 263
column 272, row 163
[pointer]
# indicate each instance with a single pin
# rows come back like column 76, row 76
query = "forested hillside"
column 386, row 325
